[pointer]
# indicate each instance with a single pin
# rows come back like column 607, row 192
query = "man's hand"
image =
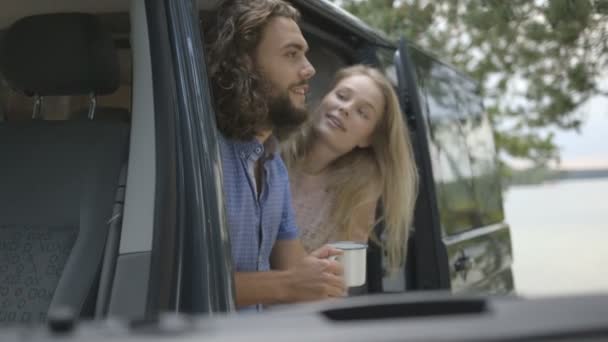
column 316, row 277
column 311, row 277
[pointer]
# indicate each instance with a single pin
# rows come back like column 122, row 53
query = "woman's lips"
column 335, row 121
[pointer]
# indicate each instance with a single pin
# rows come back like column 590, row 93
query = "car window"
column 452, row 172
column 482, row 154
column 463, row 155
column 326, row 61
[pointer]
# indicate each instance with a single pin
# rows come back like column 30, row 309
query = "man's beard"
column 284, row 116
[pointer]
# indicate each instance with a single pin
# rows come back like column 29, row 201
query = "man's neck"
column 263, row 136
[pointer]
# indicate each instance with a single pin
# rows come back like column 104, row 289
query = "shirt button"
column 258, row 150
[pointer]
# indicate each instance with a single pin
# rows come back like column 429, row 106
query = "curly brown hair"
column 241, row 94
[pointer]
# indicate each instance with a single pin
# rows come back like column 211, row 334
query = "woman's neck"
column 318, row 158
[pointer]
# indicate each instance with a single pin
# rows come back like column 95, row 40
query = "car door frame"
column 427, row 266
column 199, row 278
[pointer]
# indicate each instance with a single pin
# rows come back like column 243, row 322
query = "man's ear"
column 248, row 61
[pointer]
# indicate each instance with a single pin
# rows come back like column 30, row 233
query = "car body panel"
column 481, row 261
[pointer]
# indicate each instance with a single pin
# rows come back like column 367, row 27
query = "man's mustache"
column 299, row 84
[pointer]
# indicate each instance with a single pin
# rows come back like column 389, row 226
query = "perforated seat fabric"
column 57, row 188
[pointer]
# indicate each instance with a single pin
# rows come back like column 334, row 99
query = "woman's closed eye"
column 365, row 112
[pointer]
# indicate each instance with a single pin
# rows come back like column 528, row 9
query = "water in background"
column 560, row 237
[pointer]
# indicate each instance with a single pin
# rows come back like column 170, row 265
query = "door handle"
column 463, row 263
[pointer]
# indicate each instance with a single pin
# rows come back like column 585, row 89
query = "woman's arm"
column 364, row 218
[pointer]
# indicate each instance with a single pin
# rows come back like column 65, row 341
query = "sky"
column 589, row 148
column 586, row 149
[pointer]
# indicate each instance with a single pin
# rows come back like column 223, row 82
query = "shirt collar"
column 254, row 150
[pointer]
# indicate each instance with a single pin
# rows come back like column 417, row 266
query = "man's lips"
column 300, row 90
column 335, row 121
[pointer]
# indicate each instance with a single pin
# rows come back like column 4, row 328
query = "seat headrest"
column 59, row 54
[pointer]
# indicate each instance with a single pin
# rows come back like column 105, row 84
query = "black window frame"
column 192, row 234
column 427, row 260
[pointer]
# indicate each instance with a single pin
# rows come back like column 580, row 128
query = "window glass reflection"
column 461, row 146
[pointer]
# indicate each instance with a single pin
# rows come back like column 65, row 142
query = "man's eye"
column 292, row 54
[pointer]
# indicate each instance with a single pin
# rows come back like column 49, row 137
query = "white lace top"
column 311, row 203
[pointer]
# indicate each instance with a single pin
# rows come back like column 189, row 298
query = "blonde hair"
column 386, row 170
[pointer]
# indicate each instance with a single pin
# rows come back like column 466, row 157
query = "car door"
column 179, row 259
column 205, row 274
column 460, row 230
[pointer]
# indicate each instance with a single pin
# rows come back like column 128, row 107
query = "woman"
column 355, row 151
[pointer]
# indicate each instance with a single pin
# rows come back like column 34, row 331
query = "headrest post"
column 92, row 105
column 37, row 106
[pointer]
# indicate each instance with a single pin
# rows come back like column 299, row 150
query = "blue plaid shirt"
column 255, row 222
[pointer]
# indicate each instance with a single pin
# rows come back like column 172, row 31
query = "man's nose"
column 308, row 71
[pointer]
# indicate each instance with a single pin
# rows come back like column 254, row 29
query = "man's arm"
column 286, row 254
column 261, row 288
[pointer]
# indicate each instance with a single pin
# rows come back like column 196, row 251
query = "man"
column 259, row 72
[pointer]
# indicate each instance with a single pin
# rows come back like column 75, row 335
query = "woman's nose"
column 344, row 111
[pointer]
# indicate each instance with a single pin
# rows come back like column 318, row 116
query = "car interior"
column 77, row 141
column 76, row 130
column 65, row 149
column 78, row 147
column 66, row 107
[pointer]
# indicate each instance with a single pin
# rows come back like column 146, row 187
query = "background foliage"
column 538, row 61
